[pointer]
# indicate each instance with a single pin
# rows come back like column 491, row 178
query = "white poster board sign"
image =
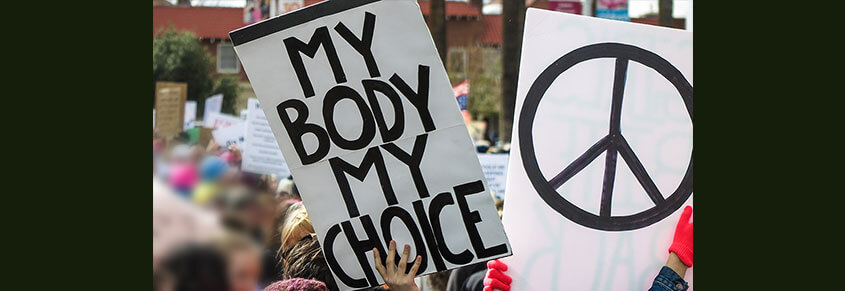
column 213, row 104
column 495, row 167
column 261, row 152
column 603, row 112
column 364, row 113
column 219, row 120
column 190, row 113
column 231, row 135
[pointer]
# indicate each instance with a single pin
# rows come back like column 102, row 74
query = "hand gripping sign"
column 362, row 109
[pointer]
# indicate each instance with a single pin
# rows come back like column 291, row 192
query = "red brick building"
column 472, row 38
column 211, row 25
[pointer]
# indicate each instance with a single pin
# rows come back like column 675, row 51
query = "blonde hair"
column 296, row 226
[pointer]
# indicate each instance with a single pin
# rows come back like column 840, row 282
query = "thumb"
column 686, row 215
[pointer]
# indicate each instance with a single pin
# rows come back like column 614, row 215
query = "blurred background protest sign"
column 361, row 107
column 190, row 114
column 170, row 107
column 261, row 151
column 213, row 104
column 216, row 120
column 568, row 6
column 230, row 135
column 612, row 9
column 601, row 162
column 495, row 167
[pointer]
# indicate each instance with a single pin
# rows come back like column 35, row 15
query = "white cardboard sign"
column 219, row 120
column 213, row 104
column 495, row 167
column 190, row 113
column 589, row 87
column 261, row 152
column 364, row 113
column 231, row 135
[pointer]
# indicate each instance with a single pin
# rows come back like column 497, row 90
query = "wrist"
column 674, row 262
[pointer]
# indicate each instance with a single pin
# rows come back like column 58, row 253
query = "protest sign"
column 231, row 135
column 601, row 158
column 495, row 167
column 362, row 109
column 261, row 152
column 170, row 107
column 219, row 120
column 213, row 104
column 612, row 9
column 569, row 6
column 190, row 113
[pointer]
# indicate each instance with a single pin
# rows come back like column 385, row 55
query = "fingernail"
column 407, row 247
column 392, row 243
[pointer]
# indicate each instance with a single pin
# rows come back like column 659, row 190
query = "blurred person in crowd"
column 183, row 178
column 297, row 284
column 177, row 221
column 296, row 226
column 242, row 212
column 243, row 261
column 271, row 257
column 670, row 277
column 213, row 148
column 284, row 189
column 305, row 260
column 192, row 267
column 232, row 156
column 482, row 146
column 211, row 171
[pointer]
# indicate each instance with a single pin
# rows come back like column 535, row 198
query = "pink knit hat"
column 183, row 176
column 229, row 157
column 297, row 284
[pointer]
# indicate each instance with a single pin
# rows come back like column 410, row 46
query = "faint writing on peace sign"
column 614, row 143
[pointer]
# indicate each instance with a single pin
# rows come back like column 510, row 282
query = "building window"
column 227, row 61
column 457, row 62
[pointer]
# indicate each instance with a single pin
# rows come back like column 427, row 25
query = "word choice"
column 427, row 236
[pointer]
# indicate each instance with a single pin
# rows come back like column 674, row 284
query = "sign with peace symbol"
column 614, row 143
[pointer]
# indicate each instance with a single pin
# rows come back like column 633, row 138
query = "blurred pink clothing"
column 177, row 221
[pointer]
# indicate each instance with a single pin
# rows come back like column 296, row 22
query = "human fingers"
column 403, row 261
column 415, row 266
column 498, row 265
column 377, row 259
column 391, row 255
column 496, row 284
column 502, row 277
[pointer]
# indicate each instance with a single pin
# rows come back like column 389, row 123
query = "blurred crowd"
column 216, row 227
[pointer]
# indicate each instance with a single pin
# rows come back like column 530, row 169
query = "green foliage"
column 485, row 86
column 179, row 57
column 229, row 86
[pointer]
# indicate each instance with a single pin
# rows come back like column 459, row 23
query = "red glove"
column 682, row 243
column 495, row 278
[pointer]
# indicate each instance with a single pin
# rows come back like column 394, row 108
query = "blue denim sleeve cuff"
column 667, row 279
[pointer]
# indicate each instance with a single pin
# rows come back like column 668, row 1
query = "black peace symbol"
column 613, row 143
